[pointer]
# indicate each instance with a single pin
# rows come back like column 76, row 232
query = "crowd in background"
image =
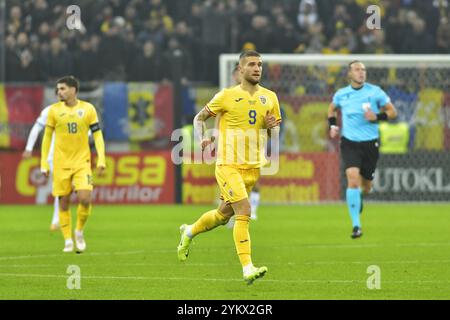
column 155, row 40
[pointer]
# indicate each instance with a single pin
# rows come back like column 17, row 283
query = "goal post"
column 419, row 86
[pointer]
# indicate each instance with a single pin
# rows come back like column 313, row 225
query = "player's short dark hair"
column 70, row 81
column 249, row 53
column 349, row 66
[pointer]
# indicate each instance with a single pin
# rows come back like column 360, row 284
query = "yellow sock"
column 242, row 239
column 83, row 214
column 65, row 221
column 208, row 221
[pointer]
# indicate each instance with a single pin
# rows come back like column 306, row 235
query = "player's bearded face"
column 252, row 70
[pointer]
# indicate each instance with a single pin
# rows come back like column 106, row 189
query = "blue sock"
column 354, row 205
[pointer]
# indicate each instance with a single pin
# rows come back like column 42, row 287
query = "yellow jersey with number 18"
column 242, row 131
column 71, row 125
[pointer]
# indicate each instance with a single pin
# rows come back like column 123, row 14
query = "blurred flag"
column 19, row 108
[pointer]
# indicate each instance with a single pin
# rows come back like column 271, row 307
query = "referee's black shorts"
column 363, row 155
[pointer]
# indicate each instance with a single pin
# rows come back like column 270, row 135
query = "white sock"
column 79, row 233
column 189, row 231
column 248, row 268
column 254, row 202
column 55, row 218
column 68, row 241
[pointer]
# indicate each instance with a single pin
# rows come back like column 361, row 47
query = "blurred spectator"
column 85, row 61
column 177, row 63
column 153, row 30
column 284, row 37
column 15, row 23
column 41, row 13
column 112, row 53
column 316, row 41
column 307, row 14
column 44, row 32
column 58, row 62
column 397, row 27
column 132, row 23
column 343, row 42
column 147, row 66
column 373, row 42
column 443, row 36
column 246, row 12
column 418, row 41
column 341, row 18
column 258, row 34
column 215, row 25
column 20, row 62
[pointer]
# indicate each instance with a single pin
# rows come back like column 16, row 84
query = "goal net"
column 414, row 161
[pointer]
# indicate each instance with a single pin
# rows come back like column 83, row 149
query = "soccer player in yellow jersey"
column 247, row 110
column 70, row 119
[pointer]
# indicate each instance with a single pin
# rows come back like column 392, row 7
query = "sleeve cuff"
column 209, row 111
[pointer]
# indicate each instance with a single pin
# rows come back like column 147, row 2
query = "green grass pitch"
column 131, row 254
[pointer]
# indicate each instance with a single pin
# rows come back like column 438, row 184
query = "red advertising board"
column 301, row 178
column 138, row 178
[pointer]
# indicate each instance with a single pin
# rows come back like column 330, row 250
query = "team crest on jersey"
column 263, row 99
column 80, row 113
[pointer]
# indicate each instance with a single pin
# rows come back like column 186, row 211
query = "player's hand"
column 26, row 154
column 45, row 173
column 270, row 120
column 370, row 115
column 334, row 132
column 100, row 171
column 206, row 142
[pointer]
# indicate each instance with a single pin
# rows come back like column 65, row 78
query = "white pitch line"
column 332, row 246
column 30, row 275
column 65, row 255
column 231, row 264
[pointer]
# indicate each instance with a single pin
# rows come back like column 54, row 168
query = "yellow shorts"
column 235, row 184
column 66, row 179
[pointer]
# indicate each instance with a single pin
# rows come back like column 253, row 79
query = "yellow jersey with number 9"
column 71, row 125
column 242, row 131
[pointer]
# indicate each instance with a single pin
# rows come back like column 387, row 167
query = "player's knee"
column 366, row 188
column 85, row 202
column 353, row 179
column 243, row 208
column 353, row 183
column 64, row 203
column 223, row 218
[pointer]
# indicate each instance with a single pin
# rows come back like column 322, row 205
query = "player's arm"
column 216, row 126
column 387, row 112
column 200, row 127
column 32, row 138
column 332, row 121
column 212, row 109
column 46, row 142
column 99, row 145
column 273, row 119
column 390, row 110
column 38, row 126
column 97, row 134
